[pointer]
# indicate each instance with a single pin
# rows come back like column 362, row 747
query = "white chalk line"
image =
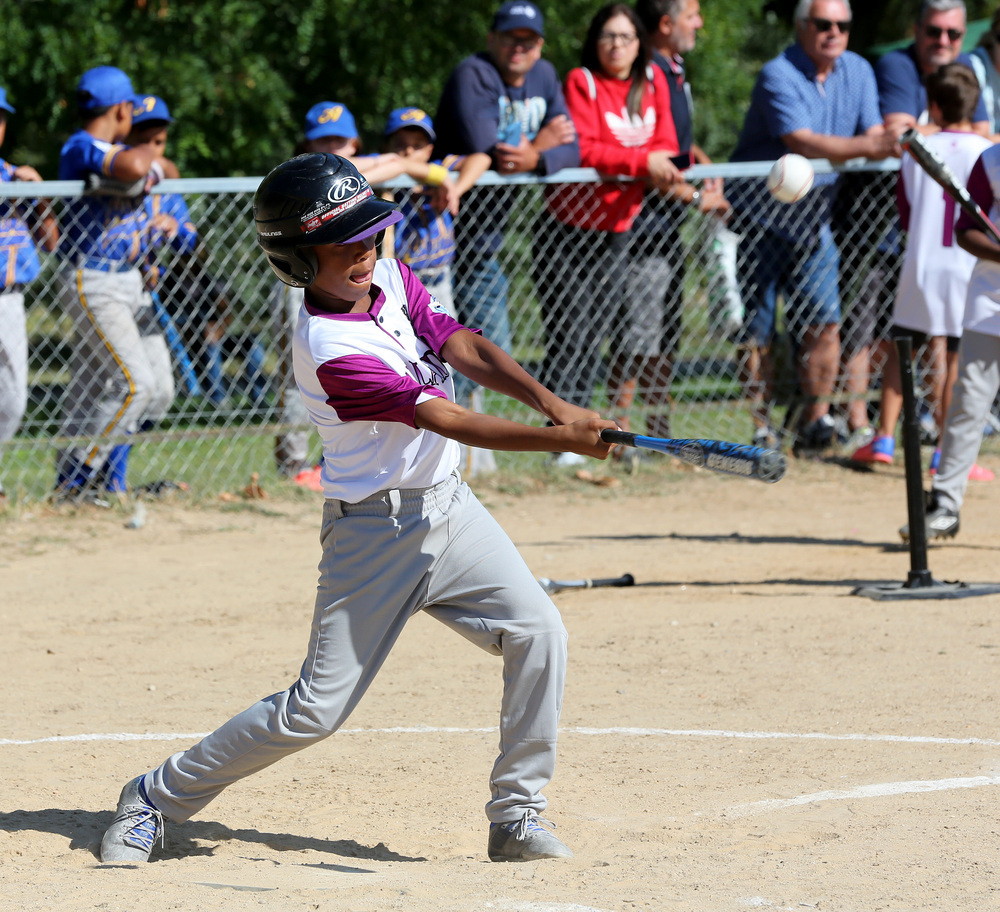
column 878, row 790
column 620, row 732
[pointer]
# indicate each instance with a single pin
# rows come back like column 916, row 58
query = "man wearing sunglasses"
column 819, row 100
column 937, row 40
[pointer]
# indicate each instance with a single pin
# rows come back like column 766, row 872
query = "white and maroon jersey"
column 982, row 305
column 362, row 376
column 935, row 276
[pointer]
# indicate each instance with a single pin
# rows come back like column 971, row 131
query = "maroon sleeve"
column 981, row 192
column 902, row 203
column 363, row 388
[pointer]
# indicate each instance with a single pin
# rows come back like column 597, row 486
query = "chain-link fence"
column 644, row 326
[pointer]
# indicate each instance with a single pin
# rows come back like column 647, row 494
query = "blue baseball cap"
column 518, row 14
column 330, row 118
column 103, row 87
column 149, row 108
column 4, row 104
column 410, row 117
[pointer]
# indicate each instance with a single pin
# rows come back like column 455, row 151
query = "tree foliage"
column 239, row 75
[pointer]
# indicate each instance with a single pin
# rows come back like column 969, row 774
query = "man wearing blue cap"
column 508, row 103
column 21, row 225
column 105, row 241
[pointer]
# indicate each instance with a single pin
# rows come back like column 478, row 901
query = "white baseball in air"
column 791, row 178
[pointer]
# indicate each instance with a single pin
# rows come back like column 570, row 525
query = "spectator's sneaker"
column 765, row 436
column 136, row 828
column 980, row 473
column 525, row 840
column 311, row 478
column 881, row 449
column 818, row 434
column 976, row 473
column 858, row 438
column 938, row 522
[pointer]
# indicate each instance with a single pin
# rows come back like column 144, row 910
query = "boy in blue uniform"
column 18, row 265
column 425, row 238
column 105, row 241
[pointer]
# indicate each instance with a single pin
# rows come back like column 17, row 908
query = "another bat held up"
column 742, row 460
column 937, row 169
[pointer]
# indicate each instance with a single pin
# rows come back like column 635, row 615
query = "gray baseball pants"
column 437, row 550
column 13, row 363
column 112, row 380
column 971, row 399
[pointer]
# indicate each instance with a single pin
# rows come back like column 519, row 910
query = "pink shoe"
column 979, row 473
column 976, row 473
column 311, row 478
column 881, row 449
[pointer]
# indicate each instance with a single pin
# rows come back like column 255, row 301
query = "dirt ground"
column 739, row 730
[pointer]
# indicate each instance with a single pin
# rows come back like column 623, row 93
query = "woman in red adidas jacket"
column 620, row 105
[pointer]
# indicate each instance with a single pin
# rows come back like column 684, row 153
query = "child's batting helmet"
column 311, row 200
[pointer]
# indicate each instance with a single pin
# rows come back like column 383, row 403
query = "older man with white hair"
column 819, row 100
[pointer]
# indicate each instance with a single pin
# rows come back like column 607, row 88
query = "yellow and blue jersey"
column 425, row 239
column 100, row 228
column 19, row 262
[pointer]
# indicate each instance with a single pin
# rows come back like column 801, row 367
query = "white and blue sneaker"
column 136, row 828
column 525, row 840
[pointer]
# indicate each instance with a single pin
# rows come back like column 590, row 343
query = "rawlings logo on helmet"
column 344, row 188
column 312, row 221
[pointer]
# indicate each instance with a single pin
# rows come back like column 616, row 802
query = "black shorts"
column 920, row 338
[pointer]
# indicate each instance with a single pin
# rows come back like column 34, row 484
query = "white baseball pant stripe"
column 971, row 399
column 436, row 550
column 112, row 380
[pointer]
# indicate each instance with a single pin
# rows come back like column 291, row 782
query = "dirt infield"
column 739, row 730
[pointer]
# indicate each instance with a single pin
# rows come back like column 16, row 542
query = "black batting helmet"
column 311, row 200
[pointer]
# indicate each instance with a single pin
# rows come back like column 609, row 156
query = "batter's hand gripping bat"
column 739, row 459
column 550, row 585
column 938, row 170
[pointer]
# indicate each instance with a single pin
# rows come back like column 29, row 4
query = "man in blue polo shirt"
column 819, row 100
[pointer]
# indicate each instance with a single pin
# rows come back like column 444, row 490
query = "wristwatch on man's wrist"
column 695, row 199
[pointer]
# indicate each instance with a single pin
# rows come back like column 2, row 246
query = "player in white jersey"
column 930, row 299
column 373, row 356
column 979, row 368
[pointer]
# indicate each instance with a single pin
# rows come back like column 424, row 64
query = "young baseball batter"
column 373, row 356
column 979, row 369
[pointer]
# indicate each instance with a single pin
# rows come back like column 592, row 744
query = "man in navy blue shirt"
column 819, row 100
column 507, row 102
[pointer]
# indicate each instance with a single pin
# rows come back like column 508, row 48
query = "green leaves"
column 239, row 75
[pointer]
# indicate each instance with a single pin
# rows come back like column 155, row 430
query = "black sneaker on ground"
column 818, row 434
column 939, row 522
